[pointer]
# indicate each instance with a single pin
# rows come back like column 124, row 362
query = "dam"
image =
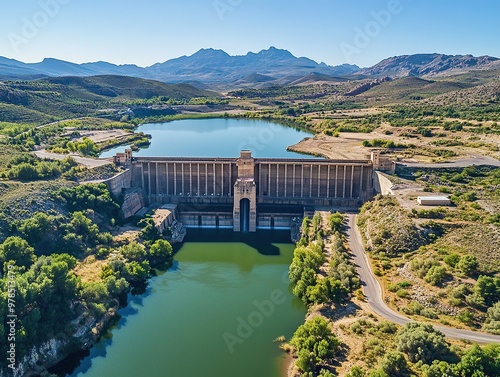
column 245, row 193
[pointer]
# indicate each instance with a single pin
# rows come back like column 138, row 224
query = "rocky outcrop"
column 86, row 333
column 366, row 86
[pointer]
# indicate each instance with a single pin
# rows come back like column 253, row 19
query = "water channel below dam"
column 215, row 313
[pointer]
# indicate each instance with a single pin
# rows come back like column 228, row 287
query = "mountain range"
column 210, row 68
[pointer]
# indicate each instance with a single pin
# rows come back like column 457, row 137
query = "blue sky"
column 334, row 31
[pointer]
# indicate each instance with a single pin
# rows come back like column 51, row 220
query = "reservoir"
column 224, row 137
column 215, row 313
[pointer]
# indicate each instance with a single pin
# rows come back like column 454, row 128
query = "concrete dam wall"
column 246, row 193
column 298, row 181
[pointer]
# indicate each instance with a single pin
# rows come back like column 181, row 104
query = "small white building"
column 433, row 201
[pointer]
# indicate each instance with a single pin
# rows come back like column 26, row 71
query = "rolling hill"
column 410, row 88
column 53, row 98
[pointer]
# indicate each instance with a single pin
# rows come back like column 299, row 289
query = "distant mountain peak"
column 273, row 52
column 431, row 64
column 276, row 66
column 210, row 52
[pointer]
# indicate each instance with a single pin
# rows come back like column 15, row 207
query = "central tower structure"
column 245, row 195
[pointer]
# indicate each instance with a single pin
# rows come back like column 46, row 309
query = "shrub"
column 356, row 372
column 487, row 289
column 468, row 264
column 492, row 323
column 452, row 259
column 421, row 342
column 435, row 275
column 394, row 364
column 16, row 250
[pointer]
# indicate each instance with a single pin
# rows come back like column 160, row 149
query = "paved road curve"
column 373, row 291
column 87, row 161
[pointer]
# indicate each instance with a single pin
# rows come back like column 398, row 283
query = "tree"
column 17, row 250
column 488, row 289
column 160, row 253
column 306, row 361
column 468, row 264
column 452, row 259
column 149, row 231
column 356, row 372
column 84, row 227
column 439, row 369
column 314, row 343
column 137, row 272
column 327, row 289
column 473, row 364
column 491, row 359
column 134, row 251
column 336, row 221
column 37, row 227
column 421, row 342
column 308, row 279
column 435, row 275
column 378, row 373
column 90, row 196
column 492, row 323
column 394, row 364
column 24, row 172
column 304, row 258
column 325, row 373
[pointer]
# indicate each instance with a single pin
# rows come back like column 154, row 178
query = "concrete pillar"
column 336, row 181
column 149, row 181
column 142, row 175
column 190, row 179
column 231, row 178
column 269, row 180
column 286, row 180
column 345, row 176
column 157, row 181
column 199, row 193
column 167, row 178
column 175, row 178
column 261, row 184
column 352, row 181
column 361, row 182
column 310, row 180
column 222, row 179
column 328, row 182
column 277, row 180
column 182, row 173
column 319, row 180
column 214, row 179
column 206, row 179
column 293, row 175
column 302, row 183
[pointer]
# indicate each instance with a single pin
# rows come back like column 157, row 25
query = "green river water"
column 214, row 314
column 227, row 297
